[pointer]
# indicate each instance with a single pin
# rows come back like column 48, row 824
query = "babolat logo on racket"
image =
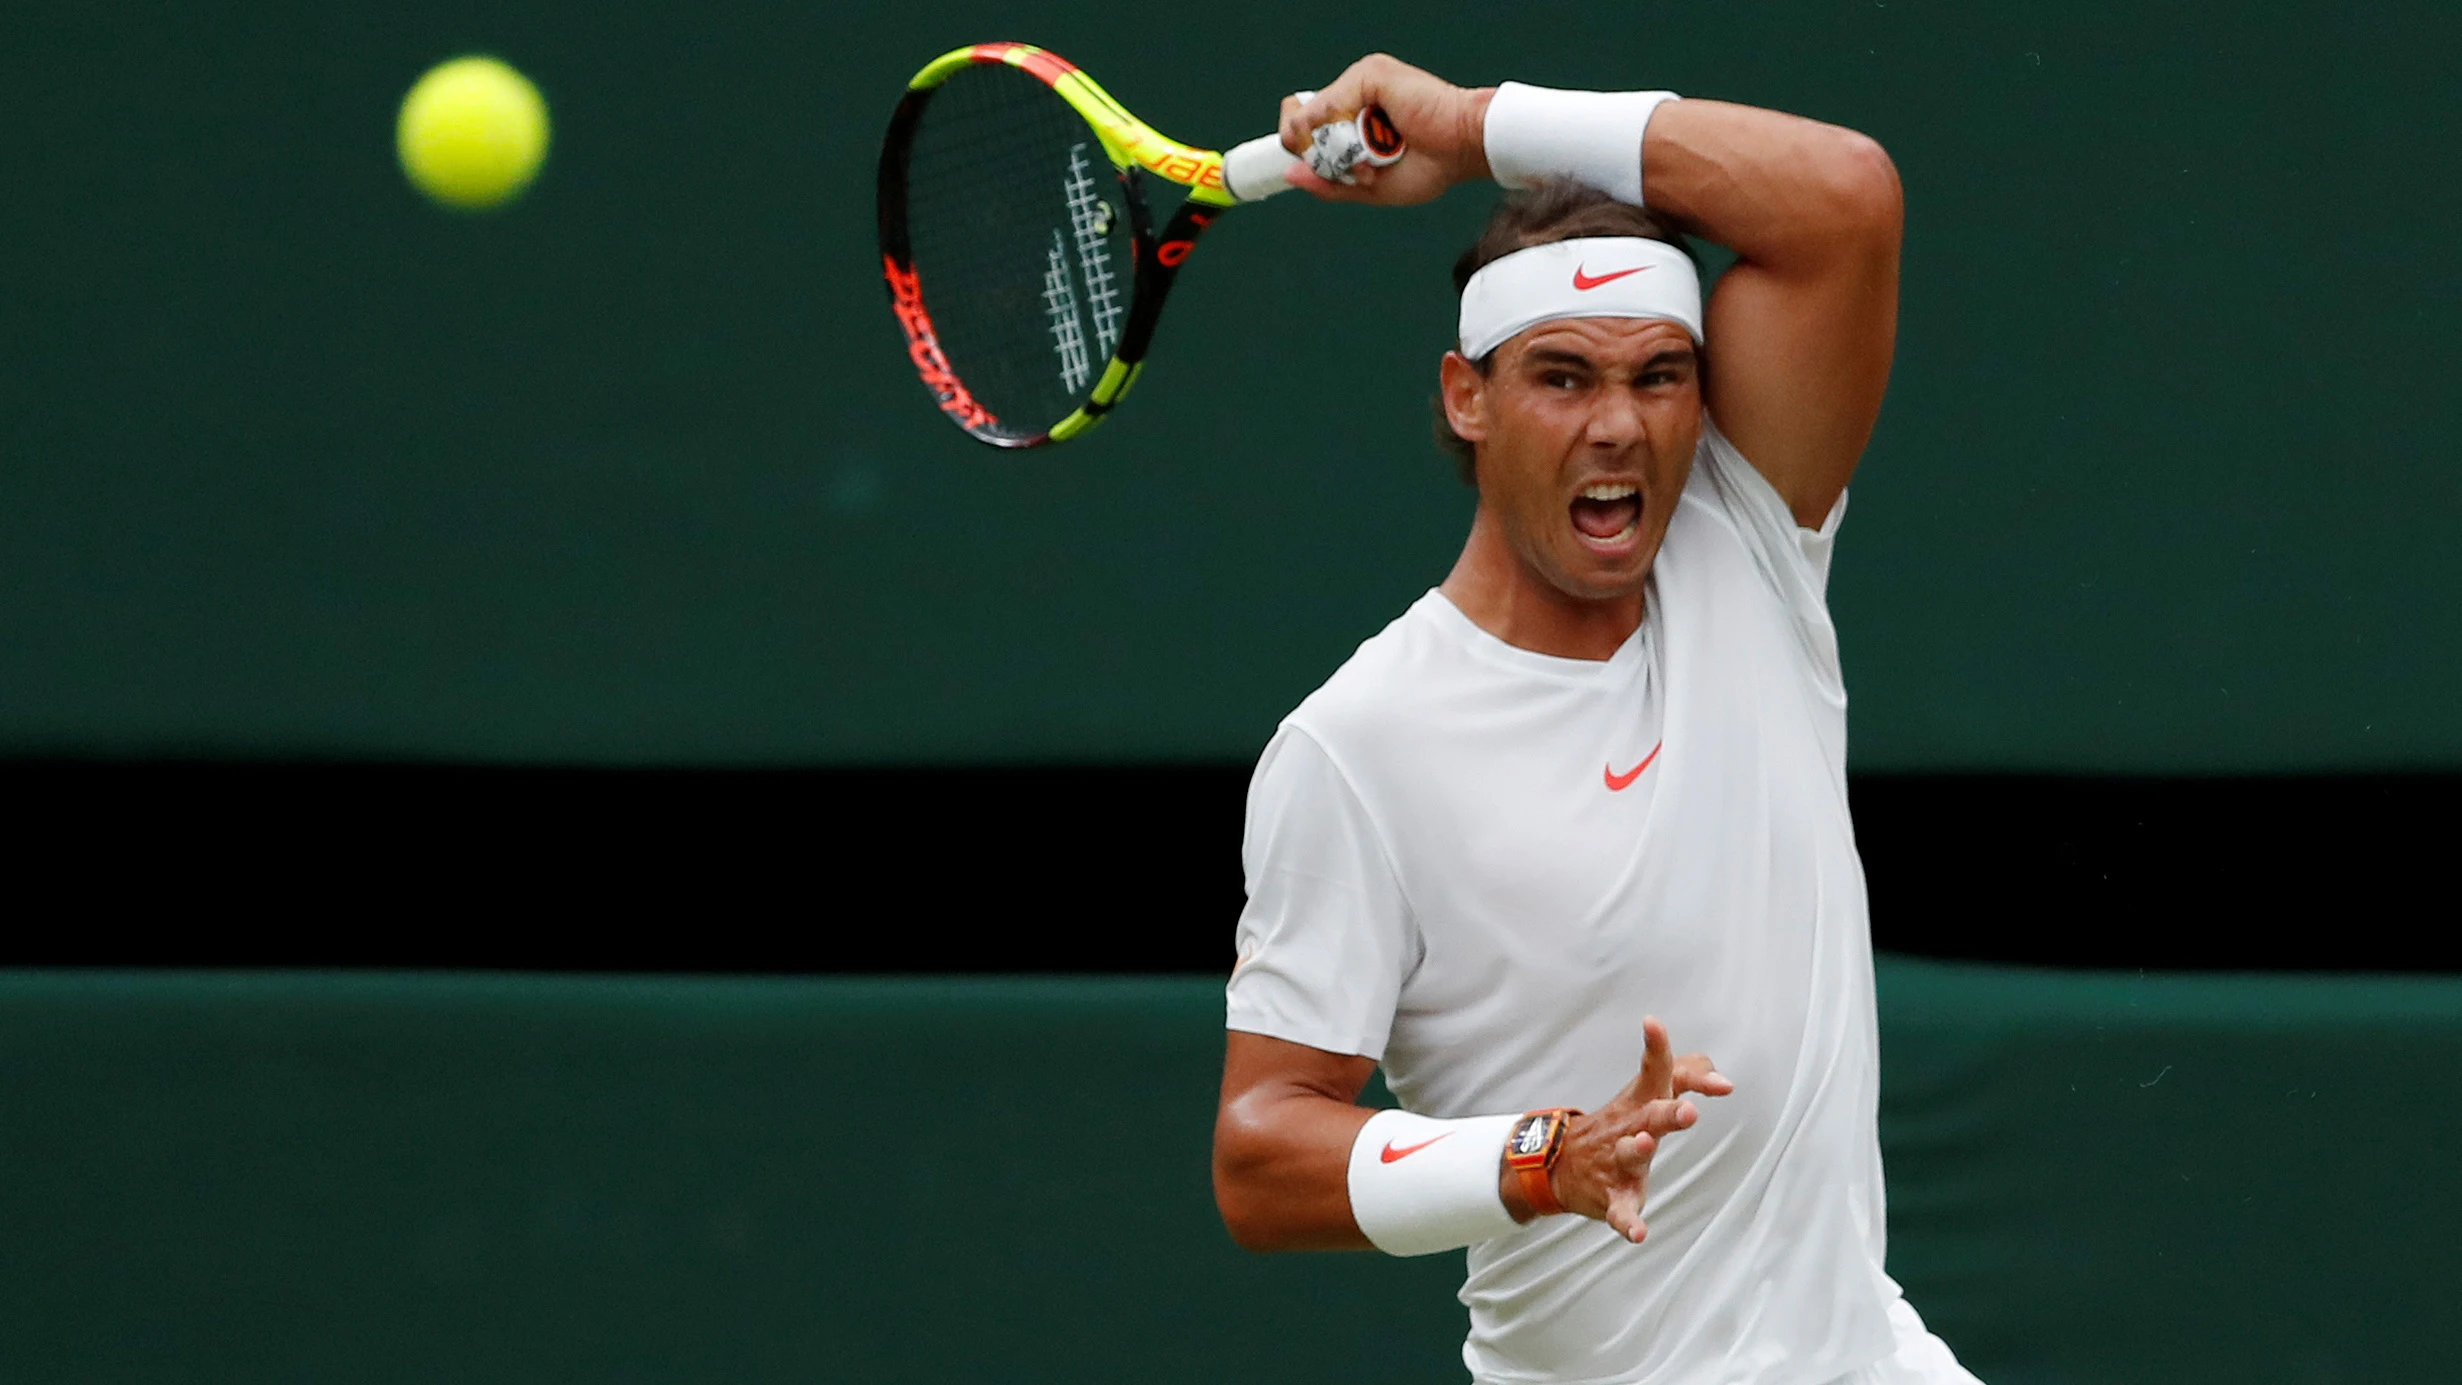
column 1171, row 252
column 923, row 348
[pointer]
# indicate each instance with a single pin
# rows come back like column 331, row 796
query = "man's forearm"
column 1780, row 191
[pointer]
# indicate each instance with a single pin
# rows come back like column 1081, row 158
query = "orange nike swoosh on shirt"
column 1583, row 283
column 1618, row 783
column 1389, row 1153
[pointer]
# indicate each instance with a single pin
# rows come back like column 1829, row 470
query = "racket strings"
column 1021, row 244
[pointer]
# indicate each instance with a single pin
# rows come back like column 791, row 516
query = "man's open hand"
column 1443, row 132
column 1604, row 1171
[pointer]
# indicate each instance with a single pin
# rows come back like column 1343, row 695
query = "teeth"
column 1609, row 492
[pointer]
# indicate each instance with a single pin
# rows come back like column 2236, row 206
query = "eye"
column 1560, row 380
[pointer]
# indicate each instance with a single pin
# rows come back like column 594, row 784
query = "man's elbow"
column 1250, row 1228
column 1868, row 202
column 1255, row 1203
column 1240, row 1193
column 1246, row 1213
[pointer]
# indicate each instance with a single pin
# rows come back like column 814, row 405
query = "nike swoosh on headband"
column 1584, row 283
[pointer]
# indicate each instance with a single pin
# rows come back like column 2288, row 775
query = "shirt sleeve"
column 1793, row 559
column 1326, row 936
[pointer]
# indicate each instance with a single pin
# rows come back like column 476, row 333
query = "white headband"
column 1598, row 276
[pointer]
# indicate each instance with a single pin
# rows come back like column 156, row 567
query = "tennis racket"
column 1019, row 245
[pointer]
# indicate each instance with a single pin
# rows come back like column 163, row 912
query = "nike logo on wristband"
column 1618, row 783
column 1583, row 283
column 1390, row 1153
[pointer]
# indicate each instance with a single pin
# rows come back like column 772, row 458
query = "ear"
column 1464, row 391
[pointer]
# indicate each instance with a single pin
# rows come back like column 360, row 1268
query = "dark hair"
column 1553, row 209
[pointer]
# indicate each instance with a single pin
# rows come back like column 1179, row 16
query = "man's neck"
column 1503, row 596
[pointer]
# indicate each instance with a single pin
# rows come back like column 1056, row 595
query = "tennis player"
column 1587, row 798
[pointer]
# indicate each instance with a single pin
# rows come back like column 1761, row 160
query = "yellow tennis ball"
column 472, row 133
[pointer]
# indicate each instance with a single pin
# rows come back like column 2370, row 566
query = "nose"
column 1615, row 420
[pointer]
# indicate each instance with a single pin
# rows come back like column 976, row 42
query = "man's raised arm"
column 1801, row 329
column 1799, row 332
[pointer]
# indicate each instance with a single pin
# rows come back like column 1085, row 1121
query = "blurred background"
column 303, row 466
column 336, row 526
column 588, row 587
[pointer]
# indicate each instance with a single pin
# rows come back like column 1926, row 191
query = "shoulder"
column 1393, row 672
column 1413, row 686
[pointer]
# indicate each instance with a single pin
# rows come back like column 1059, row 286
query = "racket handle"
column 1254, row 171
column 1258, row 169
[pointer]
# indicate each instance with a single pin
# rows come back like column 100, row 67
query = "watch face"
column 1530, row 1137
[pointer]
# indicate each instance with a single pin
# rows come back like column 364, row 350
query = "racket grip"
column 1369, row 139
column 1259, row 168
column 1254, row 171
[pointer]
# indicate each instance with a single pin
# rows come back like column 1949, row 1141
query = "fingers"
column 1631, row 1160
column 1632, row 1155
column 1304, row 177
column 1694, row 1073
column 1663, row 1075
column 1440, row 125
column 1375, row 80
column 1302, row 113
column 1658, row 1059
column 1293, row 130
column 1624, row 1217
column 1344, row 97
column 1613, row 1147
column 1301, row 117
column 1665, row 1117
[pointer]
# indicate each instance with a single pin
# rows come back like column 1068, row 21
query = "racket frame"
column 1130, row 144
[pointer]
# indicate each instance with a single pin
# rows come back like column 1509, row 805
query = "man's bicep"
column 1799, row 362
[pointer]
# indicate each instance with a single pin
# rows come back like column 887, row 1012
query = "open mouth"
column 1607, row 513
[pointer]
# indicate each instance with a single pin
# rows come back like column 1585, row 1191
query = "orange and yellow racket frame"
column 1129, row 143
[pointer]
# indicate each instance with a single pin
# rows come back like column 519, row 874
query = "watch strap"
column 1537, row 1142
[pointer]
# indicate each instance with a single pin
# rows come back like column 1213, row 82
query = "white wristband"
column 1419, row 1186
column 1592, row 137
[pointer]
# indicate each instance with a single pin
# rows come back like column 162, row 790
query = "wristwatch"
column 1531, row 1152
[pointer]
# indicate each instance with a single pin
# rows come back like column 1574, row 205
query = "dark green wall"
column 2105, row 1181
column 291, row 462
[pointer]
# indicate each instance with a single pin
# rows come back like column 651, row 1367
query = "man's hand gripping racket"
column 1022, row 260
column 1445, row 126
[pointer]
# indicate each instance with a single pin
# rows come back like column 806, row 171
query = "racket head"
column 1022, row 261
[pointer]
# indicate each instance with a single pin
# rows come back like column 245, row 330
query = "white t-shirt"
column 1443, row 876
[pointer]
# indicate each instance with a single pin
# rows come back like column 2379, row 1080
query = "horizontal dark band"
column 1100, row 869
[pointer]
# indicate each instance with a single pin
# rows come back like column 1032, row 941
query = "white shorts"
column 1921, row 1358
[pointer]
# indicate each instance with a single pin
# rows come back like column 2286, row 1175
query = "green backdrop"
column 293, row 463
column 370, row 1178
